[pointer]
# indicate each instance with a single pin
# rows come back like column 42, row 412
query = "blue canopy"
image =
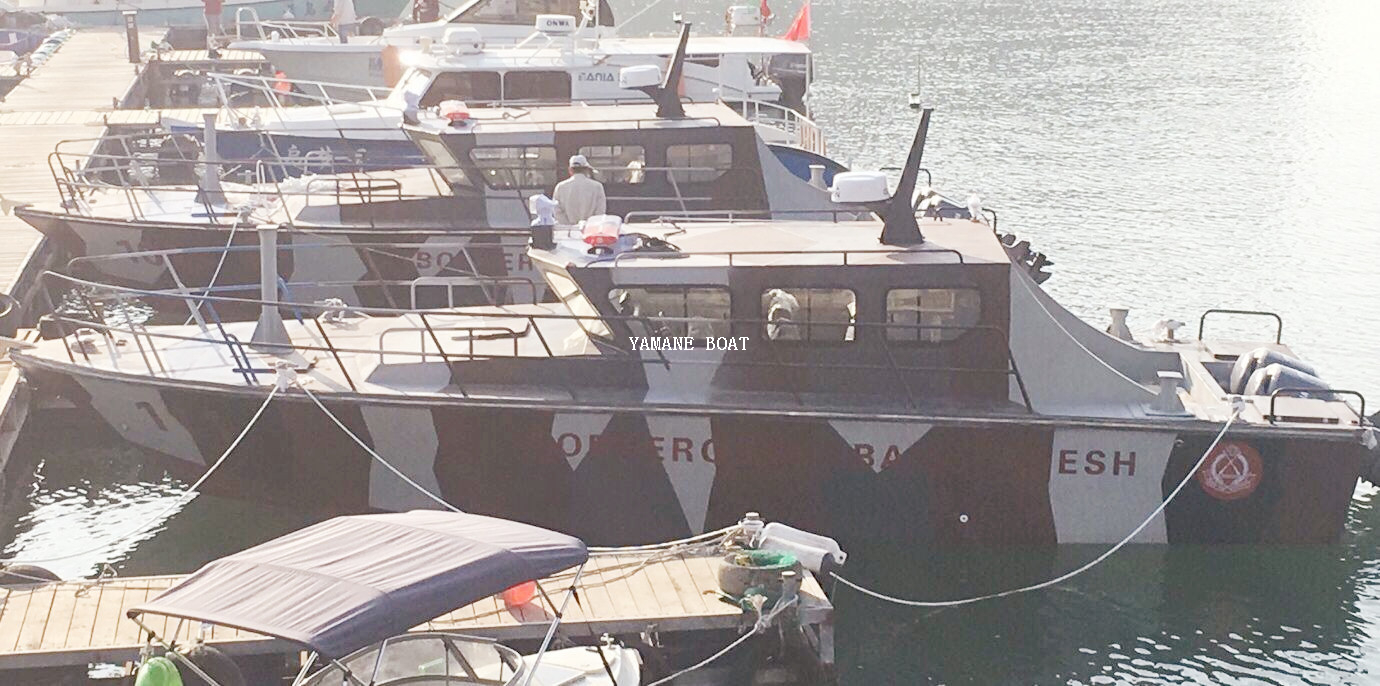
column 350, row 582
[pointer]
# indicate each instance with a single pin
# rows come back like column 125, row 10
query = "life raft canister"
column 158, row 671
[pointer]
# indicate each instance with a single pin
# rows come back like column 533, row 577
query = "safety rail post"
column 891, row 363
column 334, row 353
column 1279, row 321
column 1020, row 382
column 1303, row 392
column 441, row 351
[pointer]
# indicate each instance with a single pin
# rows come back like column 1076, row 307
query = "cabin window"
column 617, row 164
column 711, row 61
column 541, row 86
column 809, row 314
column 517, row 166
column 674, row 311
column 446, row 165
column 522, row 11
column 699, row 163
column 931, row 315
column 469, row 86
column 568, row 292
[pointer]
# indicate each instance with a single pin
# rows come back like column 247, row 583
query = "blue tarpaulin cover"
column 350, row 582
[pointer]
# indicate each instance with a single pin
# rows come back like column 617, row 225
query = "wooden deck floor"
column 87, row 75
column 70, row 623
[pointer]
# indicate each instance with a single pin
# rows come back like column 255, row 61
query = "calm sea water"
column 1170, row 156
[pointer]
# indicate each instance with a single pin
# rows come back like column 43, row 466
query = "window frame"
column 959, row 331
column 606, row 171
column 682, row 173
column 628, row 319
column 487, row 178
column 762, row 316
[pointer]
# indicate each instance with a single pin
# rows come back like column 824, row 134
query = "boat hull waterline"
column 631, row 475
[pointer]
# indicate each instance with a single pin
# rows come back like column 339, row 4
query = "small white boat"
column 348, row 590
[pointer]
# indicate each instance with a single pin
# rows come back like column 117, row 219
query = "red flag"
column 800, row 28
column 764, row 11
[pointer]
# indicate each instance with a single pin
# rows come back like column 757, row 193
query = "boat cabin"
column 734, row 69
column 525, row 12
column 711, row 159
column 813, row 309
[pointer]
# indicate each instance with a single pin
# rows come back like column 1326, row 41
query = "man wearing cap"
column 580, row 196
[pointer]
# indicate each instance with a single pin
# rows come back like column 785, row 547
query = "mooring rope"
column 388, row 465
column 1236, row 412
column 178, row 502
column 763, row 622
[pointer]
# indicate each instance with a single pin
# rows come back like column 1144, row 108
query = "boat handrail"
column 1319, row 393
column 1279, row 321
column 470, row 280
column 533, row 320
column 288, row 28
column 844, row 253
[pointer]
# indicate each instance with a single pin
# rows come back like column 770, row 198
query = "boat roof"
column 580, row 116
column 702, row 45
column 350, row 582
column 791, row 243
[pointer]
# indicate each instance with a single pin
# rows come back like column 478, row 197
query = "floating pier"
column 674, row 600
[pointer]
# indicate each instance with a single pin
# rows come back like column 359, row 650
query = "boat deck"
column 82, row 622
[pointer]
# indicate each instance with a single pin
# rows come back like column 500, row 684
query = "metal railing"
column 1279, row 322
column 247, row 19
column 1328, row 394
column 428, row 325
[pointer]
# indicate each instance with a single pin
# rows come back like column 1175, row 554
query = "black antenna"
column 667, row 95
column 898, row 214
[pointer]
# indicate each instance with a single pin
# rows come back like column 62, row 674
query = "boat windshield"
column 424, row 659
column 524, row 12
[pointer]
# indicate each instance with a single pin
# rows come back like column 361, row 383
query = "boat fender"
column 813, row 550
column 1247, row 364
column 216, row 664
column 25, row 575
column 1267, row 380
column 158, row 671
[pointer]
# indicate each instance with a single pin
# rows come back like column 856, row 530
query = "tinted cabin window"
column 664, row 311
column 931, row 315
column 618, row 164
column 545, row 86
column 445, row 162
column 517, row 167
column 516, row 11
column 699, row 163
column 470, row 86
column 568, row 292
column 809, row 314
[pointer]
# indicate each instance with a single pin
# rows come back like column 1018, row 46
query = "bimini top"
column 350, row 582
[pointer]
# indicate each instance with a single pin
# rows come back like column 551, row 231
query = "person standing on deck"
column 212, row 9
column 580, row 196
column 344, row 20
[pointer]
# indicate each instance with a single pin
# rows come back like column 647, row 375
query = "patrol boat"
column 321, row 118
column 372, row 232
column 903, row 378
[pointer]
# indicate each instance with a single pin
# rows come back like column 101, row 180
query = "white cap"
column 579, row 161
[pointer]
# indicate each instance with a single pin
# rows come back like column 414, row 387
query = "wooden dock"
column 90, row 73
column 78, row 623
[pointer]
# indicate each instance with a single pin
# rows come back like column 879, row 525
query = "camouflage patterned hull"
column 618, row 477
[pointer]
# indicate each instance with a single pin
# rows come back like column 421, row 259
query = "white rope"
column 706, row 536
column 763, row 621
column 1065, row 577
column 179, row 502
column 420, row 488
